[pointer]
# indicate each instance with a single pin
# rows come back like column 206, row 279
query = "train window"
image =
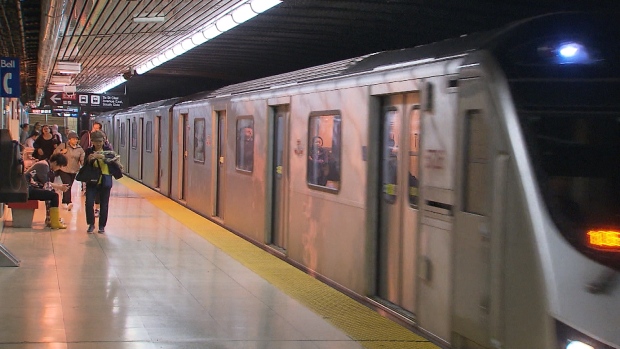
column 414, row 155
column 149, row 137
column 476, row 163
column 123, row 135
column 199, row 140
column 324, row 142
column 245, row 144
column 391, row 133
column 134, row 134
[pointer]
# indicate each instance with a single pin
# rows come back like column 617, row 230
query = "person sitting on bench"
column 42, row 186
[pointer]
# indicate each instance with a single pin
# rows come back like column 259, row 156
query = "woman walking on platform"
column 106, row 160
column 75, row 158
column 46, row 143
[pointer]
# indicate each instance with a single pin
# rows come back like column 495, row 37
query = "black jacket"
column 115, row 170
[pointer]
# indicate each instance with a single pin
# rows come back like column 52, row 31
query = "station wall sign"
column 9, row 77
column 86, row 100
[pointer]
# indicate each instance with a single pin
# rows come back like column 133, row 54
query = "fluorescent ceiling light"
column 260, row 6
column 60, row 79
column 225, row 23
column 68, row 68
column 198, row 39
column 170, row 54
column 243, row 13
column 162, row 59
column 187, row 44
column 239, row 13
column 56, row 88
column 178, row 49
column 117, row 81
column 156, row 19
column 211, row 32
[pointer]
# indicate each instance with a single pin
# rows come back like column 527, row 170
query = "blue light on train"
column 572, row 53
column 569, row 50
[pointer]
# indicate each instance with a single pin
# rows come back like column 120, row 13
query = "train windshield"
column 576, row 155
column 566, row 88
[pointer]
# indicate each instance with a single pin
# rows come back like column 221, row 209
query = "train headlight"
column 570, row 338
column 572, row 53
column 578, row 345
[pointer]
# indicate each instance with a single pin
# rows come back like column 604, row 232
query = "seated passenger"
column 40, row 176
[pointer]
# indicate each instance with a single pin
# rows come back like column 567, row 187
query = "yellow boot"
column 55, row 219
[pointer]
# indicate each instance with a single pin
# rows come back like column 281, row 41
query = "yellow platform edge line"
column 362, row 324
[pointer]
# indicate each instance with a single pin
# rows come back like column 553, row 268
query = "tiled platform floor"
column 148, row 282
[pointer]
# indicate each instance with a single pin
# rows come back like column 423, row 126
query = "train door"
column 141, row 144
column 184, row 135
column 279, row 173
column 157, row 145
column 127, row 123
column 221, row 164
column 398, row 202
column 481, row 173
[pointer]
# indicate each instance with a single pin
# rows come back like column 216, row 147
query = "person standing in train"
column 75, row 158
column 102, row 157
column 46, row 143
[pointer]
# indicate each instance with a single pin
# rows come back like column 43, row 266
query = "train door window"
column 324, row 143
column 476, row 163
column 123, row 135
column 199, row 140
column 134, row 134
column 414, row 155
column 391, row 133
column 149, row 137
column 245, row 144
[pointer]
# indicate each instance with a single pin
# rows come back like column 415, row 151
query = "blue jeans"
column 104, row 195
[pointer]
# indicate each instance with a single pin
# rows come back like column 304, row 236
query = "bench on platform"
column 23, row 212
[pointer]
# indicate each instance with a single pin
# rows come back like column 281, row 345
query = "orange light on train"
column 608, row 240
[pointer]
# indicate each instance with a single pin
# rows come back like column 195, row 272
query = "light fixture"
column 225, row 23
column 68, row 68
column 61, row 88
column 237, row 14
column 260, row 6
column 60, row 79
column 156, row 19
column 243, row 13
column 198, row 39
column 210, row 32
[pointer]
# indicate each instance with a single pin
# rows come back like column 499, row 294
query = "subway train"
column 468, row 188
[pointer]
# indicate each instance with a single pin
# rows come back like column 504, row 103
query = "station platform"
column 163, row 277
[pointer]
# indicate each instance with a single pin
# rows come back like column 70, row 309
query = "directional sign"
column 86, row 100
column 9, row 75
column 56, row 99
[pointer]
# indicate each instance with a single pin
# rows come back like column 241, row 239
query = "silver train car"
column 469, row 188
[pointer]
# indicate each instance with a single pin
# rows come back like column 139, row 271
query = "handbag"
column 88, row 174
column 106, row 181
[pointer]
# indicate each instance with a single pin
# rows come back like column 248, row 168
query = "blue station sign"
column 9, row 76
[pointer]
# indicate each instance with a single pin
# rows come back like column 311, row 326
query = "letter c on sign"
column 5, row 83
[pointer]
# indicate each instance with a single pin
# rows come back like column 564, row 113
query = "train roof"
column 355, row 65
column 154, row 105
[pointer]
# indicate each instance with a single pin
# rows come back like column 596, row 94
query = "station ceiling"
column 104, row 38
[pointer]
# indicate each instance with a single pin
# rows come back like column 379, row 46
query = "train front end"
column 563, row 73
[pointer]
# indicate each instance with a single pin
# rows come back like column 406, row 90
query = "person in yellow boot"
column 40, row 176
